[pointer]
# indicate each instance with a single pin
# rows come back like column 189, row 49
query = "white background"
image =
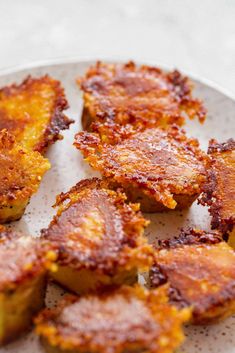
column 195, row 36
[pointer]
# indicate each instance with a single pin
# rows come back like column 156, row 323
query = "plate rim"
column 76, row 60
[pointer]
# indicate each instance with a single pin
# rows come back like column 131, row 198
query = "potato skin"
column 200, row 270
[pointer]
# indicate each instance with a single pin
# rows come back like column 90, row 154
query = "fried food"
column 124, row 320
column 99, row 237
column 121, row 94
column 160, row 169
column 219, row 191
column 33, row 112
column 24, row 263
column 21, row 173
column 200, row 270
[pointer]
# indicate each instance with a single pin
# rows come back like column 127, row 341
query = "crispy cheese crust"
column 24, row 262
column 158, row 168
column 200, row 270
column 21, row 173
column 33, row 112
column 219, row 191
column 121, row 94
column 99, row 237
column 125, row 320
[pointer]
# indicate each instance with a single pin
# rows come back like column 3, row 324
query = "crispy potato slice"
column 200, row 270
column 99, row 237
column 140, row 96
column 160, row 169
column 219, row 191
column 21, row 173
column 33, row 112
column 24, row 263
column 124, row 320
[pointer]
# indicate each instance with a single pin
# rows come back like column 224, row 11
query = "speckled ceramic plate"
column 68, row 168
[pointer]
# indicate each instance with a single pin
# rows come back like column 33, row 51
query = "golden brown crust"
column 190, row 236
column 219, row 191
column 128, row 319
column 140, row 96
column 22, row 258
column 160, row 163
column 21, row 171
column 216, row 147
column 96, row 229
column 33, row 111
column 200, row 270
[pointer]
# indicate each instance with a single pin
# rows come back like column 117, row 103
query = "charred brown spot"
column 219, row 190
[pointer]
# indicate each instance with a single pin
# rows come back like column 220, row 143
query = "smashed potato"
column 33, row 112
column 200, row 270
column 219, row 191
column 99, row 237
column 24, row 263
column 21, row 173
column 140, row 96
column 160, row 169
column 123, row 320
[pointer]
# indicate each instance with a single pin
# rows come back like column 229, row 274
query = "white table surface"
column 195, row 36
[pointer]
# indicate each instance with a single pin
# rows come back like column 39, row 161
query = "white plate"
column 68, row 168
